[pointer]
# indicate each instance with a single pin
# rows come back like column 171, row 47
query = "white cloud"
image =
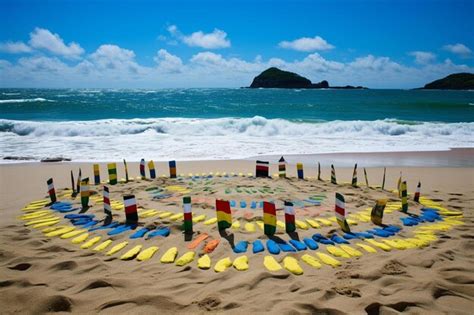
column 167, row 62
column 215, row 40
column 114, row 66
column 423, row 57
column 307, row 44
column 113, row 57
column 42, row 38
column 15, row 47
column 458, row 49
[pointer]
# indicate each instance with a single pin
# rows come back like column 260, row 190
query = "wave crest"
column 251, row 127
column 25, row 100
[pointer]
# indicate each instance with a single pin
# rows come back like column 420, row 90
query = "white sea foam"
column 25, row 100
column 190, row 138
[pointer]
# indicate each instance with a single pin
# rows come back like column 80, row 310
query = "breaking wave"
column 25, row 100
column 196, row 138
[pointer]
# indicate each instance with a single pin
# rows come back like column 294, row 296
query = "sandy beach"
column 48, row 274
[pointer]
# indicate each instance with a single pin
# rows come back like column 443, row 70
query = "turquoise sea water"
column 322, row 105
column 99, row 124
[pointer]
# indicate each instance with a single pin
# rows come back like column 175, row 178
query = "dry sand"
column 40, row 274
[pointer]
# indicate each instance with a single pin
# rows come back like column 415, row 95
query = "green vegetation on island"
column 456, row 81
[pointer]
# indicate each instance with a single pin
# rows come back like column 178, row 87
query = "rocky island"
column 456, row 81
column 276, row 78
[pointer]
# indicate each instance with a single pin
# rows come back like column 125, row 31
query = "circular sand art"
column 219, row 221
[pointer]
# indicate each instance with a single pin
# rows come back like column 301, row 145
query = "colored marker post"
column 269, row 218
column 282, row 168
column 404, row 197
column 377, row 211
column 188, row 215
column 78, row 183
column 96, row 174
column 126, row 170
column 142, row 169
column 290, row 225
column 383, row 179
column 366, row 178
column 354, row 176
column 172, row 166
column 399, row 184
column 261, row 169
column 299, row 170
column 151, row 166
column 112, row 168
column 131, row 215
column 340, row 209
column 224, row 216
column 85, row 193
column 417, row 193
column 107, row 208
column 73, row 187
column 51, row 191
column 333, row 175
column 319, row 171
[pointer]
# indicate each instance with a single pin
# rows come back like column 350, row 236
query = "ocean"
column 195, row 124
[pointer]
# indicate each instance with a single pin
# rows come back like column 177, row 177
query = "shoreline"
column 454, row 157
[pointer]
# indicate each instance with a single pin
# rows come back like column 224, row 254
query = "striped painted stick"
column 269, row 218
column 290, row 225
column 126, row 170
column 112, row 168
column 377, row 211
column 224, row 215
column 333, row 175
column 261, row 169
column 340, row 209
column 172, row 166
column 107, row 208
column 131, row 215
column 151, row 167
column 282, row 168
column 417, row 193
column 404, row 197
column 188, row 215
column 354, row 176
column 85, row 193
column 299, row 169
column 366, row 178
column 96, row 174
column 51, row 191
column 142, row 169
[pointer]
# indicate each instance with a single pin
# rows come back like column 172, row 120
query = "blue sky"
column 154, row 44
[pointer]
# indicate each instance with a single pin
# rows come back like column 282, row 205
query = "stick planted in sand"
column 299, row 170
column 112, row 168
column 261, row 169
column 340, row 209
column 172, row 167
column 282, row 168
column 354, row 176
column 269, row 218
column 333, row 175
column 96, row 169
column 51, row 191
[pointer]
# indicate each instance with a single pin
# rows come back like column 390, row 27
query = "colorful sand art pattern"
column 60, row 216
